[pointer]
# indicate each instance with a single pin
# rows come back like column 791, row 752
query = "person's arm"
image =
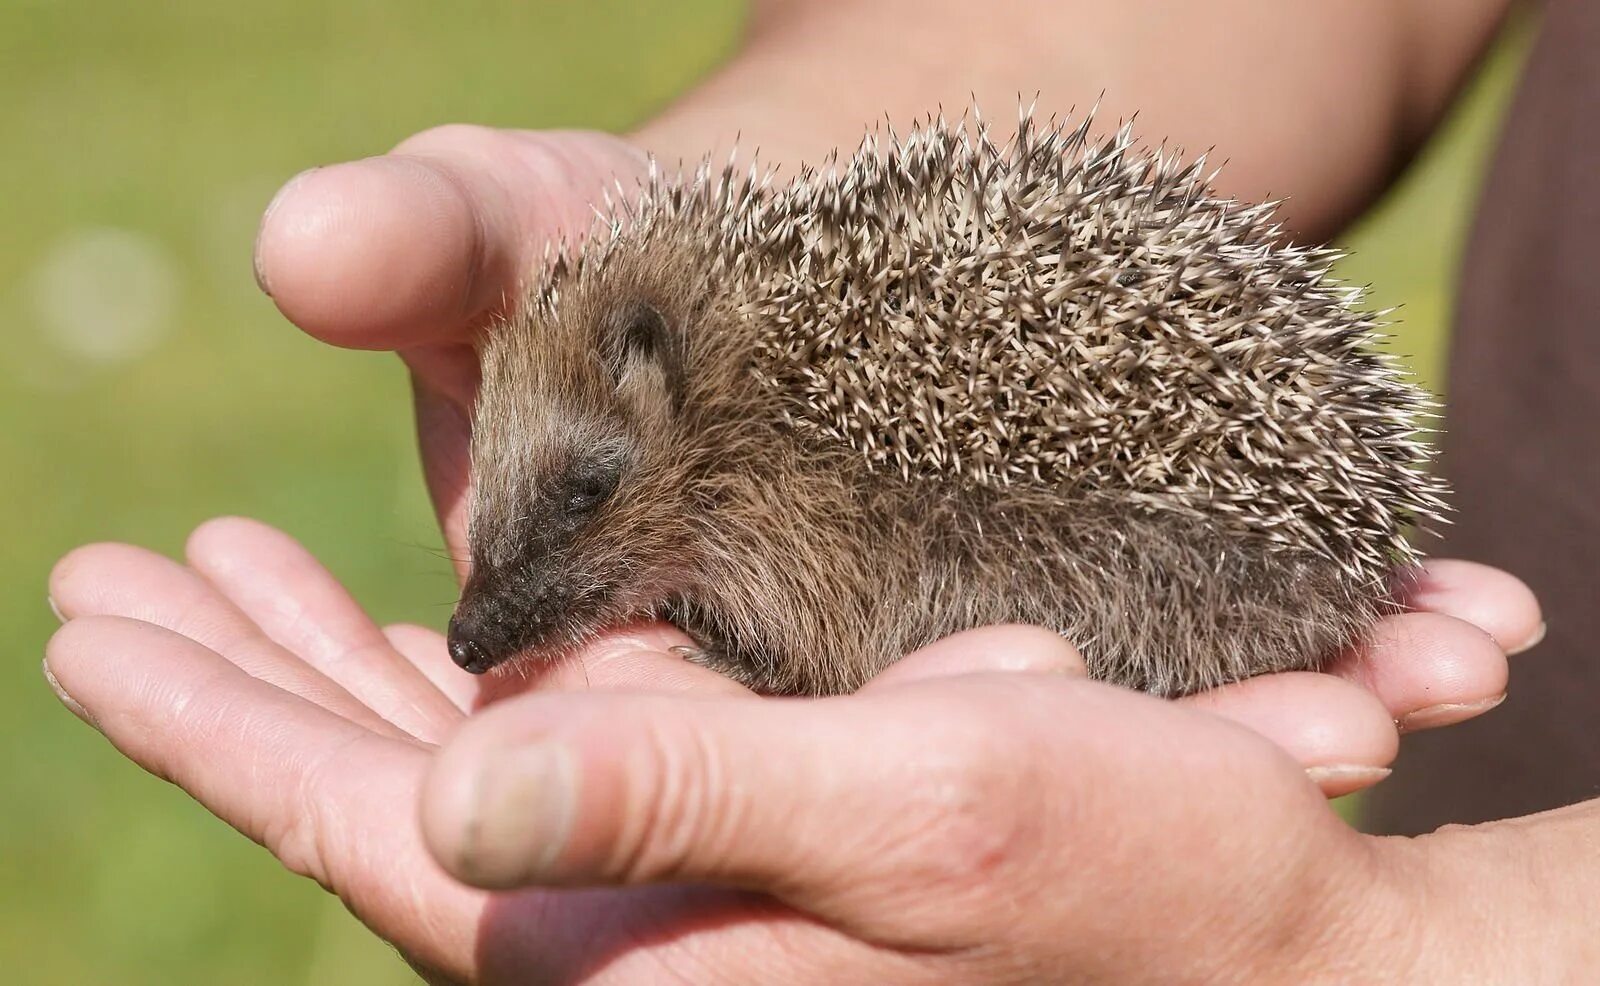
column 1318, row 102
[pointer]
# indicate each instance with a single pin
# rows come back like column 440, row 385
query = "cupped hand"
column 946, row 819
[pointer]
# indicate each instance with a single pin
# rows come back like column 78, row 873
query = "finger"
column 1428, row 669
column 1338, row 731
column 383, row 253
column 425, row 648
column 748, row 792
column 637, row 657
column 501, row 807
column 1500, row 603
column 414, row 247
column 122, row 580
column 324, row 795
column 187, row 715
column 934, row 802
column 504, row 805
column 330, row 801
column 444, row 436
column 998, row 649
column 633, row 658
column 300, row 605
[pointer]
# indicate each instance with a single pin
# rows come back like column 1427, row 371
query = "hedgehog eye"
column 585, row 493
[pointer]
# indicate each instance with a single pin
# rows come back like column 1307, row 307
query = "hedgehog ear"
column 647, row 371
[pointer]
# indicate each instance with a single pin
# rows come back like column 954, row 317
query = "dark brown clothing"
column 1523, row 448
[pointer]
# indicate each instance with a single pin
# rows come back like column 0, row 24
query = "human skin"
column 413, row 251
column 1322, row 103
column 980, row 813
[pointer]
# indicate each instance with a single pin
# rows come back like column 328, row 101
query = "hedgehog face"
column 576, row 520
column 535, row 580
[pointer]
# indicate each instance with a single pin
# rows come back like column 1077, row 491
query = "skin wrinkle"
column 477, row 264
column 437, row 151
column 666, row 799
column 409, row 895
column 301, row 844
column 294, row 843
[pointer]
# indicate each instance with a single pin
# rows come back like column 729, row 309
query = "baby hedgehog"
column 818, row 425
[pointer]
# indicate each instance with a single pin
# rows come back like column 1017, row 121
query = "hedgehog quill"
column 944, row 384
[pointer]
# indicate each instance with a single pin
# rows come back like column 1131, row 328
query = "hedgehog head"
column 578, row 512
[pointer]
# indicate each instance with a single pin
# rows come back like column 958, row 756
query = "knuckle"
column 450, row 138
column 294, row 841
column 308, row 834
column 972, row 812
column 670, row 804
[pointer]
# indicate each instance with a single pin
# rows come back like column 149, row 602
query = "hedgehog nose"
column 465, row 651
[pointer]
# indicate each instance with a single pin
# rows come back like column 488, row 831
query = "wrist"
column 1359, row 917
column 1377, row 910
column 1516, row 900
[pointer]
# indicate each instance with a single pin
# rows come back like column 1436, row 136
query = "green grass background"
column 176, row 121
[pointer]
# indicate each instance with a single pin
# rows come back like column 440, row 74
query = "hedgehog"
column 943, row 383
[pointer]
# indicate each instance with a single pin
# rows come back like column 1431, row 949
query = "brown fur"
column 800, row 570
column 802, row 566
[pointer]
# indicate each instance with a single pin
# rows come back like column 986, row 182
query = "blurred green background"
column 148, row 385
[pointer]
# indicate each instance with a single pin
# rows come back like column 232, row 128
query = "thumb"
column 831, row 805
column 1003, row 648
column 408, row 250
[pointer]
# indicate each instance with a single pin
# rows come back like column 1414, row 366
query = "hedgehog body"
column 948, row 384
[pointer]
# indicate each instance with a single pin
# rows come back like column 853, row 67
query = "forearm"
column 1318, row 102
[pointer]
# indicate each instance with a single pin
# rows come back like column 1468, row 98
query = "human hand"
column 254, row 682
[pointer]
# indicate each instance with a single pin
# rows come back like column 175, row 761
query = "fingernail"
column 1531, row 643
column 67, row 700
column 51, row 601
column 1445, row 714
column 521, row 816
column 1342, row 778
column 266, row 216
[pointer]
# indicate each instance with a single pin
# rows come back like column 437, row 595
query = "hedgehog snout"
column 465, row 649
column 476, row 645
column 492, row 624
